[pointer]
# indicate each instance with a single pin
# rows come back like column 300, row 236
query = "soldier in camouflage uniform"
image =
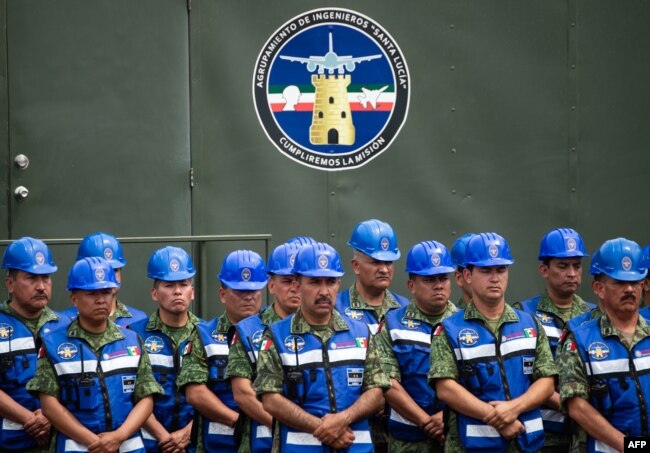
column 561, row 251
column 242, row 359
column 603, row 358
column 458, row 258
column 310, row 368
column 99, row 411
column 401, row 350
column 203, row 374
column 490, row 363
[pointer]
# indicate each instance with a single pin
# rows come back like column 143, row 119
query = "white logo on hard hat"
column 292, row 259
column 108, row 254
column 435, row 259
column 39, row 257
column 246, row 274
column 493, row 250
column 385, row 243
column 100, row 275
column 174, row 265
column 323, row 262
column 626, row 263
column 571, row 244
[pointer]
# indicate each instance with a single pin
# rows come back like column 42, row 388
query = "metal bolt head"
column 21, row 161
column 21, row 193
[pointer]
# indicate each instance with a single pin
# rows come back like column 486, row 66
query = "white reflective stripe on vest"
column 304, row 358
column 552, row 331
column 602, row 447
column 63, row 368
column 295, row 438
column 410, row 335
column 120, row 363
column 373, row 328
column 642, row 363
column 161, row 360
column 476, row 352
column 19, row 344
column 481, row 431
column 520, row 344
column 11, row 425
column 395, row 416
column 263, row 432
column 216, row 349
column 533, row 425
column 220, row 428
column 347, row 354
column 132, row 444
column 608, row 366
column 552, row 415
column 252, row 355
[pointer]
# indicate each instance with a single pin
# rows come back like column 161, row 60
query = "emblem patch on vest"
column 6, row 331
column 154, row 344
column 67, row 351
column 528, row 364
column 256, row 339
column 468, row 337
column 410, row 323
column 219, row 337
column 128, row 384
column 354, row 314
column 355, row 377
column 598, row 350
column 294, row 342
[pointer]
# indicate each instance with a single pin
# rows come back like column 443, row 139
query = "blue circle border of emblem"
column 321, row 156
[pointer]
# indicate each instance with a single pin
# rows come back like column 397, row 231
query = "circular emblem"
column 435, row 260
column 598, row 350
column 543, row 317
column 384, row 244
column 256, row 339
column 67, row 351
column 294, row 341
column 323, row 261
column 100, row 275
column 219, row 337
column 292, row 259
column 410, row 323
column 493, row 250
column 354, row 314
column 174, row 265
column 468, row 337
column 331, row 89
column 6, row 331
column 626, row 263
column 108, row 254
column 245, row 274
column 39, row 257
column 571, row 244
column 154, row 344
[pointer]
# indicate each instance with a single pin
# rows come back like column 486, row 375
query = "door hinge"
column 191, row 178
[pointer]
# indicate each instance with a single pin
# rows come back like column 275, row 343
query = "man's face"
column 240, row 304
column 93, row 306
column 318, row 295
column 284, row 290
column 563, row 275
column 430, row 292
column 29, row 292
column 619, row 298
column 488, row 283
column 372, row 273
column 173, row 297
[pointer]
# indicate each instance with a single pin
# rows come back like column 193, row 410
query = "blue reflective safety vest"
column 217, row 436
column 412, row 348
column 18, row 356
column 250, row 332
column 495, row 369
column 96, row 388
column 171, row 409
column 619, row 381
column 366, row 316
column 322, row 379
column 554, row 421
column 136, row 315
column 579, row 320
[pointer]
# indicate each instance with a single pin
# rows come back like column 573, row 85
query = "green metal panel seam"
column 572, row 69
column 5, row 143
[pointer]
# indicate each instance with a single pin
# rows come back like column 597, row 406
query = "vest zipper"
column 502, row 371
column 177, row 396
column 328, row 376
column 107, row 402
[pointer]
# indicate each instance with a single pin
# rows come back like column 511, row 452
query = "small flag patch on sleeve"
column 235, row 339
column 266, row 345
column 41, row 352
column 362, row 342
column 529, row 332
column 188, row 348
column 438, row 330
column 570, row 346
column 133, row 350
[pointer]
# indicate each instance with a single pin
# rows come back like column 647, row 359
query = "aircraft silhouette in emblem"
column 330, row 62
column 370, row 97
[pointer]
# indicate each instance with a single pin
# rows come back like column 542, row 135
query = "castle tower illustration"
column 332, row 118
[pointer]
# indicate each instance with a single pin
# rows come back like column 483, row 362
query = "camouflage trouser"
column 425, row 446
column 379, row 434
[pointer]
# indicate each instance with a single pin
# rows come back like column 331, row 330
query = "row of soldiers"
column 358, row 370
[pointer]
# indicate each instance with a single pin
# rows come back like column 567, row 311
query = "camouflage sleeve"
column 194, row 368
column 387, row 359
column 374, row 375
column 44, row 381
column 544, row 364
column 516, row 305
column 270, row 375
column 145, row 382
column 443, row 360
column 239, row 364
column 573, row 375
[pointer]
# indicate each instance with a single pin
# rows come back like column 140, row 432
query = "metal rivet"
column 451, row 26
column 573, row 189
column 453, row 109
column 453, row 191
column 453, row 150
column 452, row 68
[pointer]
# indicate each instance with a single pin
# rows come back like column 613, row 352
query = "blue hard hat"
column 92, row 273
column 282, row 259
column 29, row 255
column 318, row 260
column 429, row 258
column 562, row 243
column 488, row 249
column 103, row 245
column 170, row 264
column 620, row 259
column 376, row 239
column 243, row 270
column 458, row 249
column 301, row 240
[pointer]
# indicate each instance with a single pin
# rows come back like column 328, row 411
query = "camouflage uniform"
column 443, row 365
column 558, row 442
column 195, row 370
column 239, row 365
column 461, row 305
column 573, row 375
column 380, row 355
